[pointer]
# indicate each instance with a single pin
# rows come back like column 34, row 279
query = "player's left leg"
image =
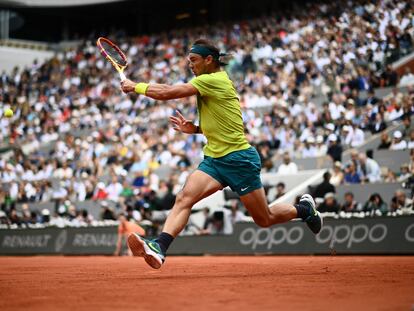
column 265, row 216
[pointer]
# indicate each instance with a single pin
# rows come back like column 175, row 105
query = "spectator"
column 355, row 137
column 287, row 167
column 216, row 224
column 385, row 141
column 280, row 190
column 309, row 151
column 114, row 189
column 321, row 148
column 398, row 143
column 406, row 131
column 410, row 144
column 411, row 164
column 405, row 173
column 389, row 76
column 329, row 204
column 400, row 202
column 236, row 214
column 370, row 170
column 107, row 212
column 376, row 205
column 324, row 187
column 351, row 174
column 334, row 149
column 337, row 176
column 350, row 205
column 100, row 192
column 378, row 125
column 390, row 176
column 371, row 99
column 125, row 228
column 407, row 79
column 207, row 220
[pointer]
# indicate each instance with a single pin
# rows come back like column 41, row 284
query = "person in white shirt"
column 287, row 167
column 114, row 189
column 310, row 150
column 8, row 175
column 370, row 169
column 410, row 144
column 321, row 148
column 398, row 143
column 355, row 137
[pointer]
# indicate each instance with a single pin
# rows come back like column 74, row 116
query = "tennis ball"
column 8, row 113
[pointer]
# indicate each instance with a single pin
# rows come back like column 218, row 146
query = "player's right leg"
column 198, row 186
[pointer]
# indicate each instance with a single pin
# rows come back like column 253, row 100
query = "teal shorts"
column 240, row 170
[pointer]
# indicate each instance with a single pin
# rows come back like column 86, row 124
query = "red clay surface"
column 207, row 283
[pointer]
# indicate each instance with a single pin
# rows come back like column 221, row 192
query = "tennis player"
column 229, row 160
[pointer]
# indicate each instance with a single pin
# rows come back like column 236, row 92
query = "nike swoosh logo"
column 154, row 248
column 242, row 189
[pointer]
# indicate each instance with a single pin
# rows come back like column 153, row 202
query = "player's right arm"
column 159, row 91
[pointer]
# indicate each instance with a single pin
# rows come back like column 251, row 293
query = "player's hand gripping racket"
column 114, row 54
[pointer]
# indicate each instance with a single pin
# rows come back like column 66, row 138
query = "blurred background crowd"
column 306, row 83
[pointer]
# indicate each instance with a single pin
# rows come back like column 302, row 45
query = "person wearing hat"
column 309, row 151
column 398, row 143
column 100, row 192
column 337, row 175
column 329, row 204
column 321, row 148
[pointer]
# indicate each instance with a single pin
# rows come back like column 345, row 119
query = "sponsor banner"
column 383, row 235
column 342, row 236
column 91, row 240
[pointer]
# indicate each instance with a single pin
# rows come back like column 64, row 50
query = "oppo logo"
column 347, row 235
column 270, row 237
column 409, row 233
column 351, row 234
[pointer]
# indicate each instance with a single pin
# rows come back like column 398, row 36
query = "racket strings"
column 114, row 54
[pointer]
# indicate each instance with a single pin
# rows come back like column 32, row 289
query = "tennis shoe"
column 314, row 220
column 148, row 249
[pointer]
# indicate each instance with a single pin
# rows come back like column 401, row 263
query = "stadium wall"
column 384, row 235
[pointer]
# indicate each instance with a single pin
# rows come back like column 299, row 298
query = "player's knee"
column 262, row 222
column 182, row 200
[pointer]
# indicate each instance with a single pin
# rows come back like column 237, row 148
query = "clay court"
column 207, row 283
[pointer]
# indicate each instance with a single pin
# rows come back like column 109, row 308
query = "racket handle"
column 122, row 76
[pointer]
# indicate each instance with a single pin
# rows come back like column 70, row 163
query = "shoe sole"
column 140, row 249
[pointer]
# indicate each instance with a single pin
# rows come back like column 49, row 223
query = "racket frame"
column 118, row 67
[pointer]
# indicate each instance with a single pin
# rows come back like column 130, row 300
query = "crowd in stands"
column 306, row 82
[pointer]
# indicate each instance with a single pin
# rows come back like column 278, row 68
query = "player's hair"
column 214, row 49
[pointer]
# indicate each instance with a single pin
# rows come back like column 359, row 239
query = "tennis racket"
column 113, row 54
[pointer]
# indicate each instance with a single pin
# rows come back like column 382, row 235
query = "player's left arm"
column 159, row 91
